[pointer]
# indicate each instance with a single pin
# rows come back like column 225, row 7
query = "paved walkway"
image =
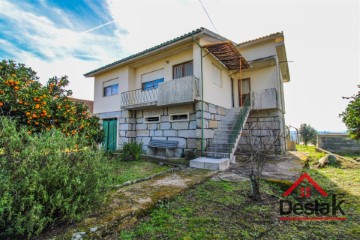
column 128, row 203
column 287, row 167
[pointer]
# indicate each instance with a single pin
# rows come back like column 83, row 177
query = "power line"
column 209, row 16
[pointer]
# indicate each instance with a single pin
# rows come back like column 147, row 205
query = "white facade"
column 220, row 85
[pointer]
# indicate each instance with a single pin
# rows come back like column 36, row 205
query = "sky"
column 68, row 37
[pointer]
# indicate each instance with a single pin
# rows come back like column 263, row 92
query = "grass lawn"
column 121, row 172
column 222, row 210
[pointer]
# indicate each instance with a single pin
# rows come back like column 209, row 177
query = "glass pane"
column 156, row 82
column 107, row 91
column 245, row 86
column 188, row 69
column 148, row 86
column 177, row 71
column 115, row 89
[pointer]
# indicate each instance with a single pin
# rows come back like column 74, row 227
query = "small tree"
column 351, row 115
column 307, row 133
column 40, row 108
column 263, row 140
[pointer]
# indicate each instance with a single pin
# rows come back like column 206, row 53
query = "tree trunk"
column 255, row 188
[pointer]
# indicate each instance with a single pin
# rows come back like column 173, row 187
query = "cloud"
column 52, row 42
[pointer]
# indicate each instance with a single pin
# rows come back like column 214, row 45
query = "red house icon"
column 306, row 190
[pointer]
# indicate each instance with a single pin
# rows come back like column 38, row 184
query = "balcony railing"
column 139, row 98
column 181, row 90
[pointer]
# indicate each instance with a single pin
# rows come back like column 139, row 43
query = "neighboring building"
column 190, row 90
column 88, row 103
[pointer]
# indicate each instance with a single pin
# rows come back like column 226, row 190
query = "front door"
column 244, row 90
column 109, row 126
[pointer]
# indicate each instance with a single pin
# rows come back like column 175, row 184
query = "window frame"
column 112, row 90
column 183, row 69
column 151, row 116
column 179, row 120
column 157, row 81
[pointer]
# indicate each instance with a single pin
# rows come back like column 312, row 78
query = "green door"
column 109, row 126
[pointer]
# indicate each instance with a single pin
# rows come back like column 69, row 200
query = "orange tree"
column 40, row 108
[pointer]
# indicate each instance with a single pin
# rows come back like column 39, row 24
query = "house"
column 88, row 103
column 198, row 90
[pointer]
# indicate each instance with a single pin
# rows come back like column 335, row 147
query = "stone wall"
column 264, row 123
column 338, row 143
column 188, row 134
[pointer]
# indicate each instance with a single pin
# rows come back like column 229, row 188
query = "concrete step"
column 210, row 163
column 218, row 150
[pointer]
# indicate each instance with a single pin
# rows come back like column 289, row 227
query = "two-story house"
column 198, row 89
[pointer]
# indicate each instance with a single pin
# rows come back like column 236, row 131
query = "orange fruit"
column 1, row 104
column 37, row 106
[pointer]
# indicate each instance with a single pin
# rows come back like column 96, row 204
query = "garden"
column 52, row 172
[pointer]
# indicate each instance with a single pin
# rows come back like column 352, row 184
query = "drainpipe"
column 202, row 98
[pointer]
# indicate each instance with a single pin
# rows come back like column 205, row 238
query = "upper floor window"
column 152, row 84
column 111, row 90
column 151, row 80
column 183, row 70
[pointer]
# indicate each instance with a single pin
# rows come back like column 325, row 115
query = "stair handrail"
column 239, row 122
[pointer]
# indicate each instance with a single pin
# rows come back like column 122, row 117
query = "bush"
column 40, row 108
column 131, row 151
column 46, row 178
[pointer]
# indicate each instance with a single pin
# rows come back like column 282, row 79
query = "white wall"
column 110, row 103
column 257, row 51
column 165, row 63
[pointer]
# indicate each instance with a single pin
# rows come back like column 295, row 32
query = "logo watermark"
column 307, row 209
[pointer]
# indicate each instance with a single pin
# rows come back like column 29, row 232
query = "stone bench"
column 167, row 144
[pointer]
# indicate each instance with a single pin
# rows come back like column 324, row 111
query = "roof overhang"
column 283, row 62
column 228, row 55
column 184, row 39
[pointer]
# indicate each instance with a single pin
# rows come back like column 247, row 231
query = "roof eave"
column 260, row 40
column 283, row 62
column 150, row 51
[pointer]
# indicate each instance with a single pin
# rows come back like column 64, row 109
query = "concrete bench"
column 167, row 144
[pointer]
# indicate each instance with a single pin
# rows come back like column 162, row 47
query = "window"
column 111, row 90
column 151, row 80
column 245, row 90
column 216, row 75
column 183, row 70
column 151, row 119
column 179, row 117
column 152, row 84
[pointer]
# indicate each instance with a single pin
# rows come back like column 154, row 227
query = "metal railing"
column 239, row 123
column 139, row 96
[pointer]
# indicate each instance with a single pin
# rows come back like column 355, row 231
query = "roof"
column 88, row 103
column 226, row 44
column 164, row 44
column 227, row 53
column 260, row 39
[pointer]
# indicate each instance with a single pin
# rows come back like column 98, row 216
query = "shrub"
column 131, row 151
column 46, row 178
column 40, row 108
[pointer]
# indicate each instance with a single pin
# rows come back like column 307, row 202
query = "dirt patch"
column 286, row 167
column 173, row 180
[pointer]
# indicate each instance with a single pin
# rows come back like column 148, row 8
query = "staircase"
column 222, row 148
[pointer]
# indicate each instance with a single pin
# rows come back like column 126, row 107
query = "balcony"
column 265, row 99
column 181, row 90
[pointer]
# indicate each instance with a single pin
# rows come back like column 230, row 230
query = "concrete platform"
column 210, row 163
